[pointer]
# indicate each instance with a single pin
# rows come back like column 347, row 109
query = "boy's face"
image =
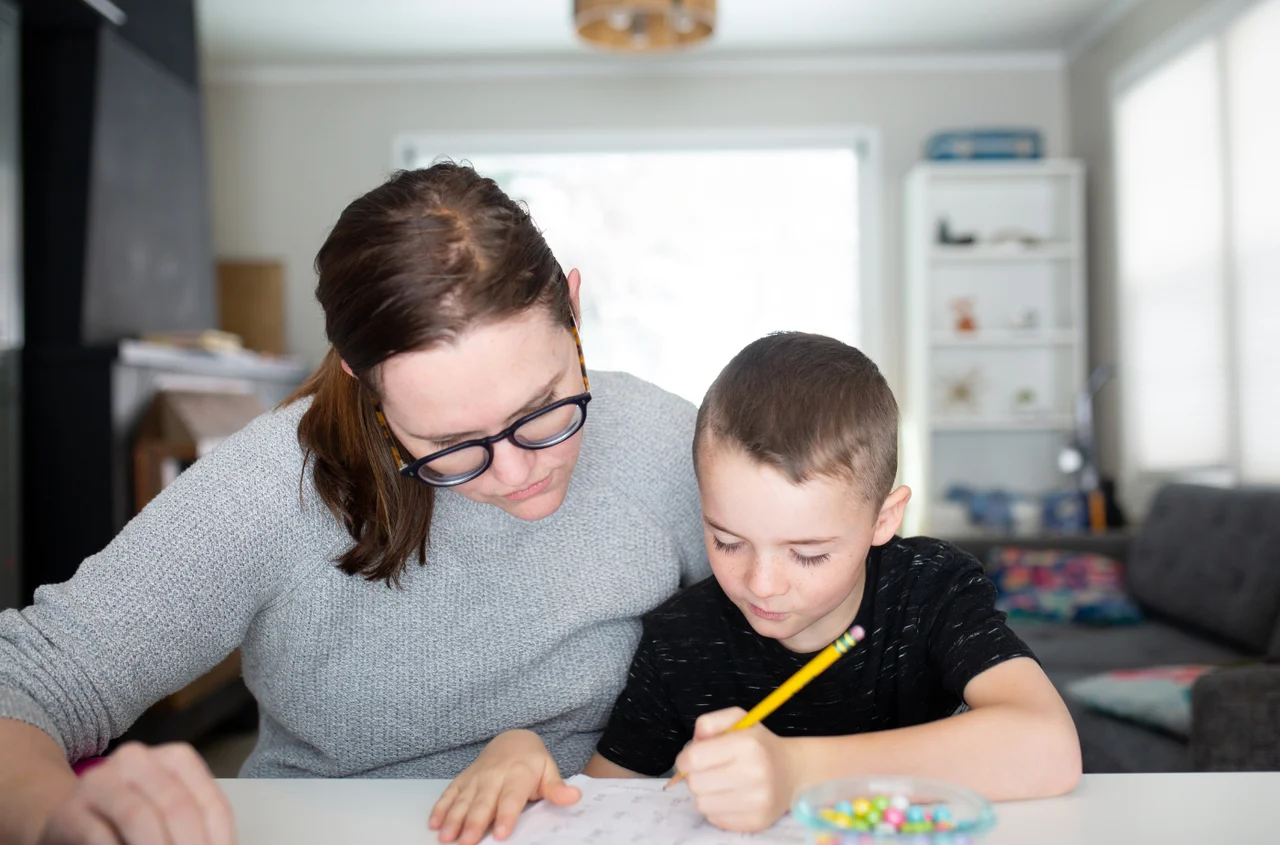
column 791, row 557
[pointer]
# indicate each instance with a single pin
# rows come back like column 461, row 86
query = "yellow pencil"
column 794, row 684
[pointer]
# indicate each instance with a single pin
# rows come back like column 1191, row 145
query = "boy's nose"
column 765, row 579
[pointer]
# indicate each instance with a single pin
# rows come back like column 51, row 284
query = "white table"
column 1204, row 809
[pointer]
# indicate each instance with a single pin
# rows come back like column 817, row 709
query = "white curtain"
column 1198, row 193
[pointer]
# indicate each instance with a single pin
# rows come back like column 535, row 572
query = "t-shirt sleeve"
column 969, row 635
column 644, row 733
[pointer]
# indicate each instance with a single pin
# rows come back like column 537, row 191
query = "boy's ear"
column 890, row 517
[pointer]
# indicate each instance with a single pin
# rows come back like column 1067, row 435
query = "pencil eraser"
column 857, row 632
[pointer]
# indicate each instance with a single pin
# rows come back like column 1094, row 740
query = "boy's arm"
column 644, row 733
column 600, row 767
column 1016, row 741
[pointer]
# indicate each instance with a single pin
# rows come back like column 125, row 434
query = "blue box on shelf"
column 985, row 145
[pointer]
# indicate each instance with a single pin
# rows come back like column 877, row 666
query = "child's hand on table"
column 514, row 769
column 742, row 780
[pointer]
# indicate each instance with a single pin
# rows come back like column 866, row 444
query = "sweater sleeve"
column 672, row 484
column 164, row 602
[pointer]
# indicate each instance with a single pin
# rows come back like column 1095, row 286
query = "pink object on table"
column 86, row 764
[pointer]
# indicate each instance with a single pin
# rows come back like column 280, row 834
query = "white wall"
column 1089, row 80
column 286, row 156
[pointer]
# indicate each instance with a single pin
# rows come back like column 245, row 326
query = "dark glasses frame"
column 413, row 469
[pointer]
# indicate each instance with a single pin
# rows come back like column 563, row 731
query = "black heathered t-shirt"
column 929, row 612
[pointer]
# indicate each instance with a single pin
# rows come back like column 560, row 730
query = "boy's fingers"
column 712, row 753
column 714, row 724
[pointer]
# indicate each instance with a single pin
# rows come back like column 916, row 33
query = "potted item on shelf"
column 1027, row 404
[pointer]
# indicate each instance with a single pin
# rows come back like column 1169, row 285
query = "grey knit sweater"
column 510, row 624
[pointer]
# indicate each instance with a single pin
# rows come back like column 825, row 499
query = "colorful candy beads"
column 870, row 819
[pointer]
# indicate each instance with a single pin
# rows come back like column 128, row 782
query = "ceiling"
column 244, row 32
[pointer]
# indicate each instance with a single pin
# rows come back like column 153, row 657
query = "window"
column 1197, row 174
column 688, row 255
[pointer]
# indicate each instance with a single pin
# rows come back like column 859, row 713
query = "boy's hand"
column 514, row 769
column 743, row 780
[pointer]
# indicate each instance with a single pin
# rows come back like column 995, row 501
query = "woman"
column 426, row 547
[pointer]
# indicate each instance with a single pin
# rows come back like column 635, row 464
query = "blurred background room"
column 1051, row 223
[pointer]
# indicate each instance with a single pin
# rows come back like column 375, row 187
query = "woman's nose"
column 512, row 465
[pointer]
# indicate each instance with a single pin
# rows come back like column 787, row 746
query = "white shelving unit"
column 1028, row 259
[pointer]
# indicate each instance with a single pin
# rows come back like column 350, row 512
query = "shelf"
column 1051, row 422
column 986, row 170
column 1006, row 338
column 999, row 254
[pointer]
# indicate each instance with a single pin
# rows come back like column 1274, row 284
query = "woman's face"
column 476, row 387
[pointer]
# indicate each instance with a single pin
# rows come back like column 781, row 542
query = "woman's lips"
column 532, row 490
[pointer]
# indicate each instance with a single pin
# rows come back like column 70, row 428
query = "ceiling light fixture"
column 644, row 26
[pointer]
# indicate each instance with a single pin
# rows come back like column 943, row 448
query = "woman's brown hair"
column 411, row 264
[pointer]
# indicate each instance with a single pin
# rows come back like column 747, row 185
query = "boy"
column 796, row 453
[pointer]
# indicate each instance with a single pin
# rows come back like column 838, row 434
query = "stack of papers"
column 634, row 812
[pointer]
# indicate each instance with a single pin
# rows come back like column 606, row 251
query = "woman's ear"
column 575, row 283
column 346, row 368
column 889, row 520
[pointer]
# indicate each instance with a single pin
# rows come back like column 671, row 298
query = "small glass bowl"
column 971, row 814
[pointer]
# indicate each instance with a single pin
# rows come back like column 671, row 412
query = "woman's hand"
column 742, row 780
column 144, row 796
column 514, row 769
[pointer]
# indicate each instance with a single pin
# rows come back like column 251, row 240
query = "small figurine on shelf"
column 1026, row 320
column 961, row 392
column 966, row 322
column 945, row 238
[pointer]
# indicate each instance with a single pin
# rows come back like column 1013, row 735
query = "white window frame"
column 865, row 141
column 1211, row 22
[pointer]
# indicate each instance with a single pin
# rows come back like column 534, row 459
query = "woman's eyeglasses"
column 462, row 462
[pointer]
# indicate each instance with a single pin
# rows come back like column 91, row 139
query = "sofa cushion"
column 1060, row 585
column 1068, row 652
column 1110, row 745
column 1158, row 697
column 1210, row 558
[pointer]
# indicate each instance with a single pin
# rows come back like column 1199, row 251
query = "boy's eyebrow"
column 543, row 397
column 810, row 541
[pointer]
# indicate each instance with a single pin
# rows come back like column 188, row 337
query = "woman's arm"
column 34, row 779
column 139, row 796
column 169, row 598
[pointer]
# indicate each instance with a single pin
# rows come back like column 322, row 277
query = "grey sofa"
column 1205, row 568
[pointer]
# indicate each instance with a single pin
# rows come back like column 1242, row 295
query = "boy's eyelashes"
column 722, row 546
column 804, row 560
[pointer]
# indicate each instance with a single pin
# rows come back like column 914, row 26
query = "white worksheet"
column 634, row 812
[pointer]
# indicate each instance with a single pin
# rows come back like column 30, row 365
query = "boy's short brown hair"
column 806, row 405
